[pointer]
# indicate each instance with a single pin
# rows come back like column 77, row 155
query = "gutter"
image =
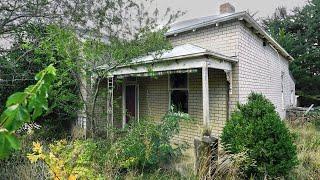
column 204, row 24
column 260, row 29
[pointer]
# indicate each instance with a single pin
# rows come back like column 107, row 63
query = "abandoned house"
column 216, row 62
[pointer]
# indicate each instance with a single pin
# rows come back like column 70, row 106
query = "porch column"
column 229, row 80
column 205, row 94
column 110, row 101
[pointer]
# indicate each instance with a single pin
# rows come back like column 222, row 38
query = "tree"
column 299, row 34
column 73, row 37
column 24, row 107
column 118, row 18
column 43, row 46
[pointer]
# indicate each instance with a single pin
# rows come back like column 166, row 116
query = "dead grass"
column 308, row 147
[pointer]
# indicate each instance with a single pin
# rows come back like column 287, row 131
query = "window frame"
column 170, row 90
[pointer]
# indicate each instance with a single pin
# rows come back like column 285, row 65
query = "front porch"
column 198, row 84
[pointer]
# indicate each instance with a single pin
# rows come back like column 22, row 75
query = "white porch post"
column 110, row 101
column 205, row 94
column 229, row 79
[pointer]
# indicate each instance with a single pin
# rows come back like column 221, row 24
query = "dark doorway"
column 130, row 102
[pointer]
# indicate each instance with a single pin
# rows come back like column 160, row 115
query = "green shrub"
column 147, row 144
column 256, row 127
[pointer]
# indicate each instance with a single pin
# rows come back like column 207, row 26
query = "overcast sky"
column 198, row 8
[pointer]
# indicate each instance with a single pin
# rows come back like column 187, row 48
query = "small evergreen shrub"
column 257, row 128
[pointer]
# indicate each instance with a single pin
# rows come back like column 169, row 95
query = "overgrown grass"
column 308, row 147
column 307, row 140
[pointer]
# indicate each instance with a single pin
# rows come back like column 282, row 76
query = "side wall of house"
column 261, row 69
column 223, row 39
column 154, row 97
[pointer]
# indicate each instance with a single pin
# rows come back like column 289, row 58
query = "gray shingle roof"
column 183, row 50
column 193, row 22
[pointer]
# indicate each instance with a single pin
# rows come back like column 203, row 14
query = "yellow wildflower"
column 37, row 147
column 72, row 177
column 33, row 158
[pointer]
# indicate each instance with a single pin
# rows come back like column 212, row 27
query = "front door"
column 131, row 101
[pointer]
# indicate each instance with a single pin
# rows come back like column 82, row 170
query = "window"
column 178, row 92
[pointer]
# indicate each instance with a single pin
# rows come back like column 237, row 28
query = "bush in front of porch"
column 147, row 145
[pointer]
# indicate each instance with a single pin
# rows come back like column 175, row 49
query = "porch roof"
column 181, row 57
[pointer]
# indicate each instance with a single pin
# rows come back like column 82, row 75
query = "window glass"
column 179, row 100
column 179, row 92
column 178, row 81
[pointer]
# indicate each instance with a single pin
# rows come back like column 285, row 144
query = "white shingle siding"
column 259, row 67
column 221, row 39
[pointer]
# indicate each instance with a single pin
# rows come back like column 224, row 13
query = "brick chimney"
column 226, row 8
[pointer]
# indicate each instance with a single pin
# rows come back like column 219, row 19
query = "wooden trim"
column 174, row 65
column 229, row 86
column 205, row 94
column 181, row 89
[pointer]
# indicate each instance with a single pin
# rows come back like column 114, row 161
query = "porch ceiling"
column 183, row 57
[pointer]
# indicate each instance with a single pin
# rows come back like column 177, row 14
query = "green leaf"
column 20, row 105
column 8, row 143
column 36, row 105
column 15, row 116
column 29, row 89
column 16, row 98
column 51, row 70
column 4, row 146
column 13, row 141
column 39, row 75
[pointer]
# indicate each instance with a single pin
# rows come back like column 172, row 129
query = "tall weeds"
column 308, row 147
column 228, row 166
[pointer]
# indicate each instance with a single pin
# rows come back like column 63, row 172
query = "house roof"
column 178, row 52
column 182, row 26
column 181, row 52
column 181, row 57
column 196, row 23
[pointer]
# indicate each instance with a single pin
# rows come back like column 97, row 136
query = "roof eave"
column 222, row 19
column 266, row 35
